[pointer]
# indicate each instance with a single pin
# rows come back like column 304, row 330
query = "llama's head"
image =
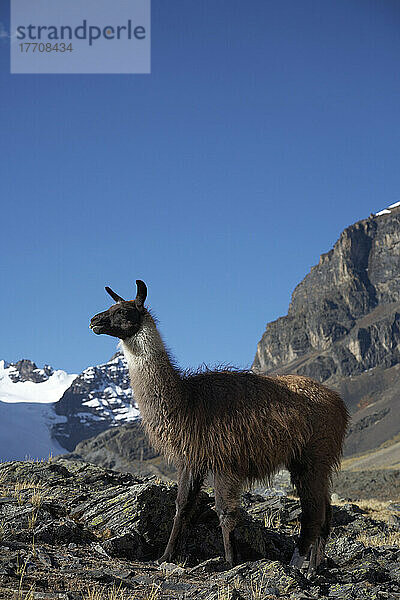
column 123, row 319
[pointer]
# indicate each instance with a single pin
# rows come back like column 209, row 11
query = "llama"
column 237, row 425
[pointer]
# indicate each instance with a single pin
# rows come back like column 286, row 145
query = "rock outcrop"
column 343, row 326
column 125, row 448
column 26, row 370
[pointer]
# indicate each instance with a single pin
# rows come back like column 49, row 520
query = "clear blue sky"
column 263, row 131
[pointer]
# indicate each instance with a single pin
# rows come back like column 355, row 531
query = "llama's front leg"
column 189, row 486
column 226, row 504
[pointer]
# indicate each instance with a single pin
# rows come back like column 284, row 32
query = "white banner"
column 80, row 36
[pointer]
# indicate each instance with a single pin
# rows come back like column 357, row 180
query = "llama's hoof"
column 317, row 556
column 309, row 563
column 165, row 558
column 297, row 560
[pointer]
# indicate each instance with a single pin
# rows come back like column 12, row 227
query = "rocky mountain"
column 343, row 328
column 99, row 398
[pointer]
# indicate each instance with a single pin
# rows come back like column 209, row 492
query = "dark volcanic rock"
column 344, row 322
column 64, row 532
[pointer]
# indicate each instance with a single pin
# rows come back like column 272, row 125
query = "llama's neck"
column 156, row 384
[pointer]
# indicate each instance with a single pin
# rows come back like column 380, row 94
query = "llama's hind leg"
column 317, row 556
column 312, row 490
column 227, row 494
column 317, row 552
column 189, row 486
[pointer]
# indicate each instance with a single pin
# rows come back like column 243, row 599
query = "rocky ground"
column 75, row 531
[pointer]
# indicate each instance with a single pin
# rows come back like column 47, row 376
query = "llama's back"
column 252, row 425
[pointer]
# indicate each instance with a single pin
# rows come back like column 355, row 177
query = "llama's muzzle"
column 95, row 328
column 97, row 324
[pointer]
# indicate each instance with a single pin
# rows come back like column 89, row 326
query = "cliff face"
column 343, row 323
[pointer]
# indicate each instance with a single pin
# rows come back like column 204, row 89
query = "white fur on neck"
column 144, row 345
column 154, row 381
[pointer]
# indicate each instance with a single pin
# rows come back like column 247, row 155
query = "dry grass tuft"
column 21, row 594
column 378, row 510
column 382, row 539
column 224, row 593
column 29, row 595
column 18, row 490
column 257, row 587
column 36, row 499
column 116, row 593
column 32, row 518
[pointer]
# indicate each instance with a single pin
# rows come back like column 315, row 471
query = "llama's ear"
column 141, row 293
column 113, row 295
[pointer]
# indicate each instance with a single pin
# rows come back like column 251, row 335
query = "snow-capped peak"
column 27, row 398
column 46, row 411
column 388, row 210
column 24, row 382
